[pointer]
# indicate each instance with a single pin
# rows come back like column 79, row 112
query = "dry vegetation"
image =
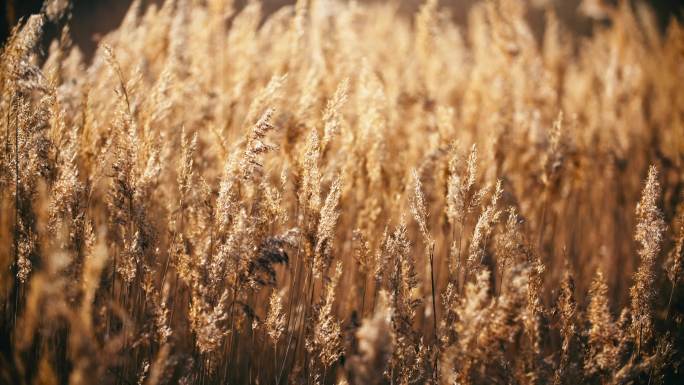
column 337, row 193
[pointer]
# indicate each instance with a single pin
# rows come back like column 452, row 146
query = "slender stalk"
column 669, row 302
column 294, row 281
column 542, row 220
column 16, row 206
column 363, row 295
column 434, row 311
column 460, row 239
column 312, row 288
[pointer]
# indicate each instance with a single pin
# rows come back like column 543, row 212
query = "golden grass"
column 335, row 193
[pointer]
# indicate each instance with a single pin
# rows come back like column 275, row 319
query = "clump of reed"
column 338, row 193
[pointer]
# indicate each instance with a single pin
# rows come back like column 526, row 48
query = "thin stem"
column 16, row 204
column 458, row 255
column 363, row 294
column 543, row 219
column 275, row 362
column 295, row 280
column 312, row 286
column 669, row 302
column 232, row 320
column 434, row 309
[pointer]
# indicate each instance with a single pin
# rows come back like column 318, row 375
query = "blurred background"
column 93, row 18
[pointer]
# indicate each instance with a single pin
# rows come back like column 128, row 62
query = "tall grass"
column 337, row 193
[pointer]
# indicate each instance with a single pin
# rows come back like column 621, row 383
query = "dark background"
column 93, row 18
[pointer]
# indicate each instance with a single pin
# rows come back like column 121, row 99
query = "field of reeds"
column 339, row 193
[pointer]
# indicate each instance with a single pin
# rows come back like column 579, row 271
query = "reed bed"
column 339, row 193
